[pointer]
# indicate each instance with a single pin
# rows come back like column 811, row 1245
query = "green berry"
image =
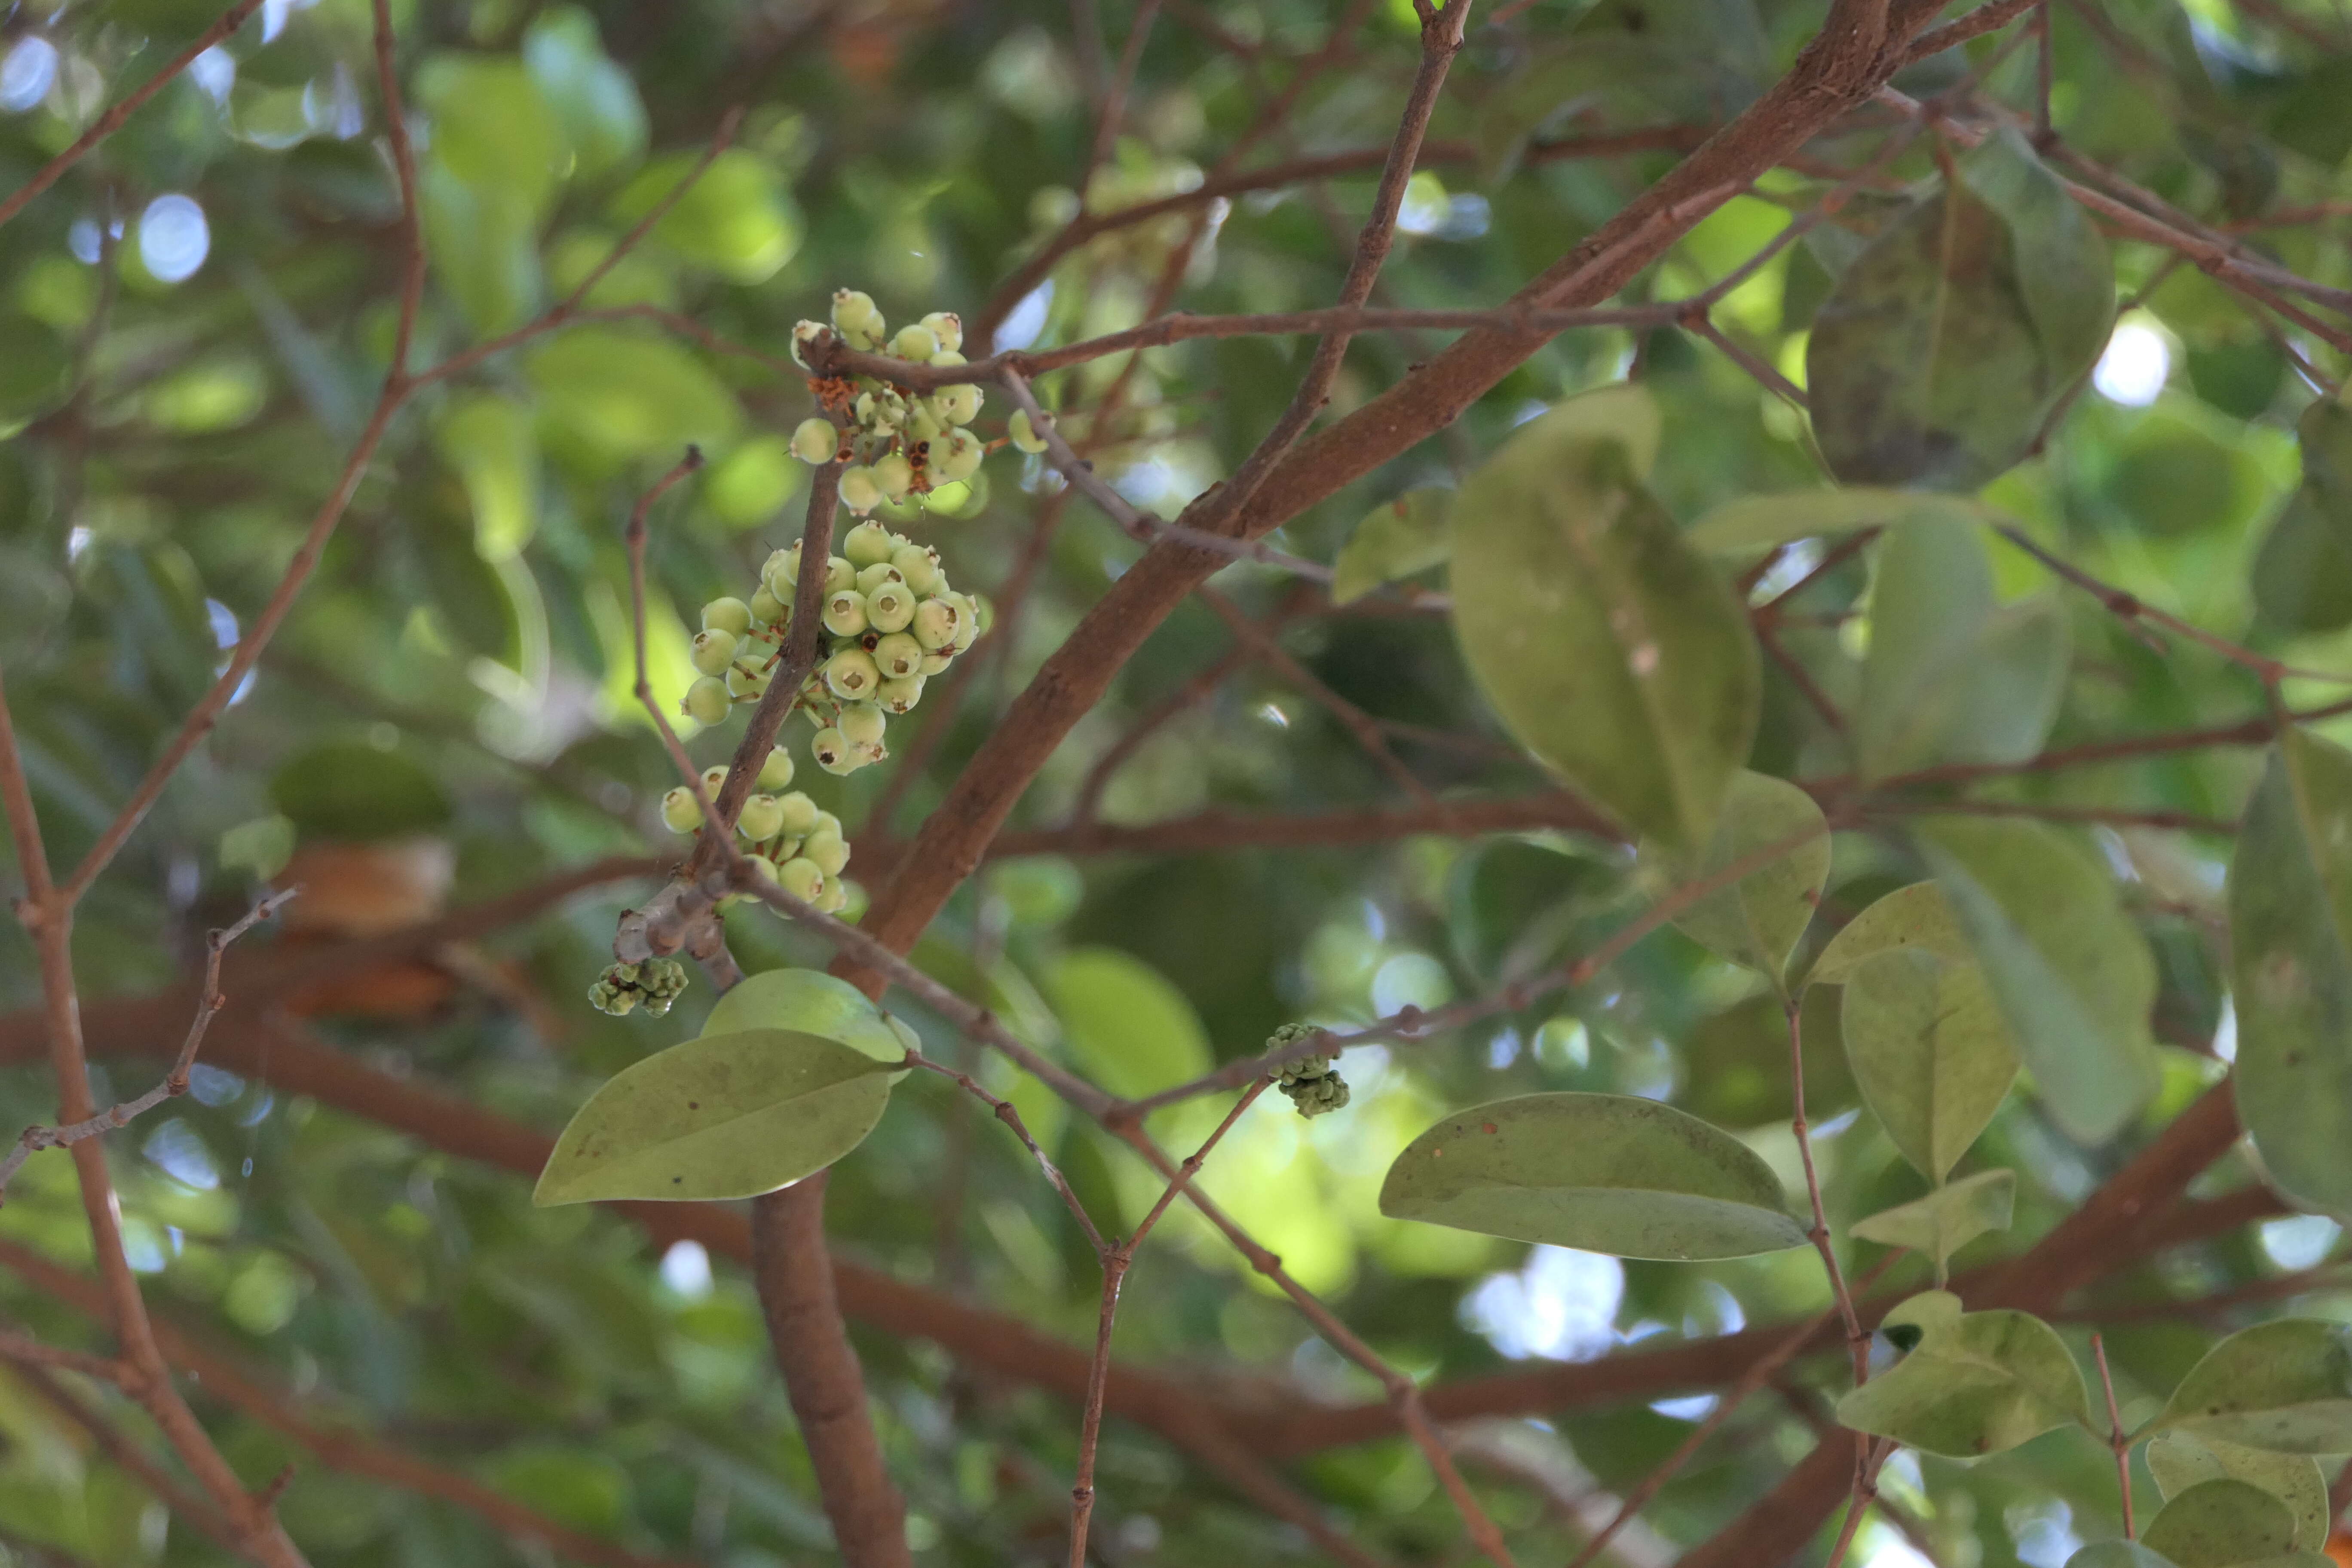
column 925, row 421
column 852, row 675
column 781, row 568
column 899, row 657
column 844, row 613
column 714, row 779
column 826, row 823
column 769, row 609
column 745, row 684
column 829, row 850
column 899, row 693
column 959, row 404
column 1025, row 435
column 917, row 343
column 777, row 771
column 714, row 651
column 835, row 896
column 800, row 814
column 890, row 607
column 814, row 441
column 947, row 329
column 802, row 877
column 919, row 568
column 948, row 359
column 937, row 621
column 862, row 724
column 854, row 311
column 956, row 455
column 731, row 616
column 866, row 754
column 761, row 818
column 872, row 577
column 707, row 701
column 859, row 491
column 894, row 475
column 831, row 749
column 839, row 574
column 935, row 662
column 762, row 865
column 681, row 812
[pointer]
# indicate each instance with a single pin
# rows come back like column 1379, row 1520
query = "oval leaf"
column 2069, row 969
column 1610, row 649
column 1930, row 1052
column 2290, row 898
column 2180, row 1459
column 726, row 1116
column 1957, row 328
column 1753, row 523
column 2218, row 1523
column 1758, row 920
column 1919, row 916
column 813, row 1003
column 1603, row 1173
column 1948, row 1218
column 2285, row 1386
column 1395, row 538
column 1977, row 1385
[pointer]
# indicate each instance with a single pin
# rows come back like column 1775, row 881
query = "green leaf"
column 1754, row 522
column 594, row 101
column 1951, row 336
column 260, row 847
column 2290, row 901
column 1917, row 917
column 1610, row 647
column 2117, row 1554
column 1395, row 540
column 725, row 1116
column 36, row 370
column 2220, row 1523
column 483, row 246
column 2180, row 1459
column 1947, row 1219
column 349, row 789
column 2302, row 576
column 1930, row 1053
column 1759, row 920
column 1603, row 1173
column 2286, row 1386
column 1950, row 675
column 494, row 446
column 1978, row 1384
column 1735, row 1064
column 737, row 220
column 1127, row 1026
column 615, row 393
column 813, row 1003
column 2072, row 971
column 492, row 129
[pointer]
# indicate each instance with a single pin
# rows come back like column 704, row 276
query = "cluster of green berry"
column 785, row 837
column 1313, row 1083
column 653, row 984
column 898, row 443
column 891, row 622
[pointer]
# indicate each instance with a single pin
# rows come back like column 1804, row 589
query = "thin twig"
column 2117, row 1440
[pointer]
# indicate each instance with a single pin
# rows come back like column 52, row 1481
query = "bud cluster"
column 1313, row 1083
column 653, row 984
column 784, row 836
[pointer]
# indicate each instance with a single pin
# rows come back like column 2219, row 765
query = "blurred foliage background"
column 192, row 328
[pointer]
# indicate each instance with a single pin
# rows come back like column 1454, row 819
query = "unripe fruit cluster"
column 897, row 442
column 1312, row 1083
column 653, row 984
column 784, row 836
column 890, row 623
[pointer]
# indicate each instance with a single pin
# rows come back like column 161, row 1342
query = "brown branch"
column 113, row 120
column 1217, row 830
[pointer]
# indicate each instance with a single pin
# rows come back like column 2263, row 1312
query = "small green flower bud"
column 899, row 693
column 777, row 771
column 800, row 814
column 802, row 878
column 959, row 404
column 859, row 491
column 1023, row 436
column 899, row 656
column 890, row 607
column 956, row 455
column 745, row 683
column 707, row 701
column 937, row 621
column 839, row 574
column 935, row 662
column 831, row 749
column 829, row 850
column 771, row 609
column 714, row 651
column 731, row 616
column 917, row 343
column 761, row 818
column 919, row 568
column 607, row 998
column 814, row 441
column 894, row 475
column 844, row 613
column 872, row 577
column 946, row 329
column 681, row 812
column 852, row 311
column 852, row 675
column 862, row 724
